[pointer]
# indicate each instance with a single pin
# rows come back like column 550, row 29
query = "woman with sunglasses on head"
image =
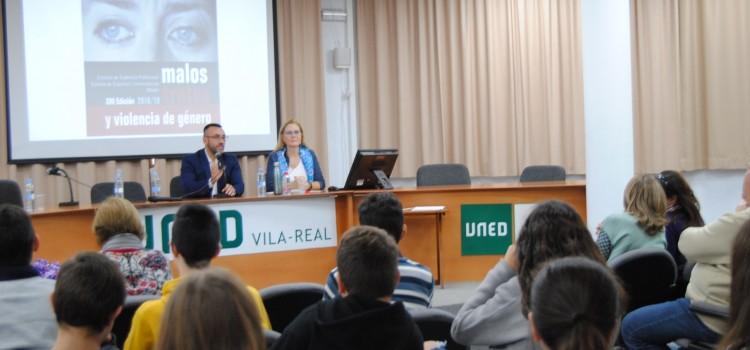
column 295, row 159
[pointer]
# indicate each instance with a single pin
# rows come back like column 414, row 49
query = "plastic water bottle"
column 155, row 186
column 119, row 184
column 278, row 181
column 29, row 197
column 261, row 182
column 287, row 183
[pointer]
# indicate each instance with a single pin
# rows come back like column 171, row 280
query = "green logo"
column 486, row 229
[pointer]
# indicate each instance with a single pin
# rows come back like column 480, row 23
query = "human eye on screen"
column 114, row 32
column 187, row 36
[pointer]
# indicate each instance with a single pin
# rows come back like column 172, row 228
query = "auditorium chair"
column 648, row 276
column 284, row 302
column 175, row 187
column 134, row 192
column 271, row 337
column 121, row 328
column 435, row 324
column 543, row 173
column 10, row 193
column 443, row 174
column 703, row 308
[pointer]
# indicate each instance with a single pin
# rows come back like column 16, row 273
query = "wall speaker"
column 342, row 58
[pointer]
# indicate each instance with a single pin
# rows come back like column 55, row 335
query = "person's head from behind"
column 17, row 238
column 195, row 235
column 290, row 135
column 383, row 210
column 116, row 216
column 191, row 320
column 552, row 230
column 367, row 260
column 214, row 138
column 739, row 307
column 678, row 193
column 158, row 30
column 574, row 304
column 645, row 200
column 89, row 294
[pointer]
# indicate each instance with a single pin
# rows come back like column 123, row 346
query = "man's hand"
column 512, row 258
column 229, row 190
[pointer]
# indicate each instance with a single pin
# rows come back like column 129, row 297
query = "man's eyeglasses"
column 292, row 132
column 217, row 137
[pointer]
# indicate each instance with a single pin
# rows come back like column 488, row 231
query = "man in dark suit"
column 209, row 171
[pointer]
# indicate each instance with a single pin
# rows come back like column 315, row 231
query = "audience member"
column 493, row 314
column 574, row 304
column 191, row 320
column 415, row 287
column 88, row 296
column 642, row 223
column 119, row 233
column 737, row 337
column 195, row 242
column 26, row 317
column 683, row 210
column 365, row 317
column 710, row 247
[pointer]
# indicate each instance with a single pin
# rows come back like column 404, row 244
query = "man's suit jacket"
column 195, row 173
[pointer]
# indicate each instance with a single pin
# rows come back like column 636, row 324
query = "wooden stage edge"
column 430, row 240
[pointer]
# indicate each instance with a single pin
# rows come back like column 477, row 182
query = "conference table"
column 440, row 233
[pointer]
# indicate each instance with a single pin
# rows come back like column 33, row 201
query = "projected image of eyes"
column 113, row 32
column 149, row 30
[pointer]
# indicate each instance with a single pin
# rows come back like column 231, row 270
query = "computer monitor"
column 371, row 168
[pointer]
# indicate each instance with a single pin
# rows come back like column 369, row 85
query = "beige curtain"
column 300, row 66
column 493, row 84
column 691, row 84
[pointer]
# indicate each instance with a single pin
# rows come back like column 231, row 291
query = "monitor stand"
column 383, row 181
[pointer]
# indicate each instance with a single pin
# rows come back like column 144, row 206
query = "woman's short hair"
column 575, row 304
column 552, row 230
column 280, row 144
column 646, row 201
column 115, row 216
column 211, row 309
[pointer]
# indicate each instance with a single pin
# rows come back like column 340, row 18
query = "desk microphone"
column 56, row 171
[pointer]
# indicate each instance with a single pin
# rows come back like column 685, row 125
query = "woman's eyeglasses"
column 292, row 132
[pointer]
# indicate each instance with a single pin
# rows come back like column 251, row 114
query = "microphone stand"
column 71, row 202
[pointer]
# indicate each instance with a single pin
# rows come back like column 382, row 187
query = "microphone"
column 56, row 171
column 220, row 160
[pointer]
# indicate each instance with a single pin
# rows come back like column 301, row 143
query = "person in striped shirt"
column 414, row 289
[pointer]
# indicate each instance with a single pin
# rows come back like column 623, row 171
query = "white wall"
column 340, row 91
column 608, row 106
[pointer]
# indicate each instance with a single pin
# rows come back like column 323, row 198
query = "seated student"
column 642, row 223
column 574, row 304
column 119, row 233
column 365, row 318
column 26, row 317
column 209, row 171
column 236, row 326
column 88, row 296
column 710, row 246
column 492, row 315
column 414, row 289
column 195, row 242
column 738, row 337
column 683, row 211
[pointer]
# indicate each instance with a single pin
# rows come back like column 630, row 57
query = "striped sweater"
column 414, row 288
